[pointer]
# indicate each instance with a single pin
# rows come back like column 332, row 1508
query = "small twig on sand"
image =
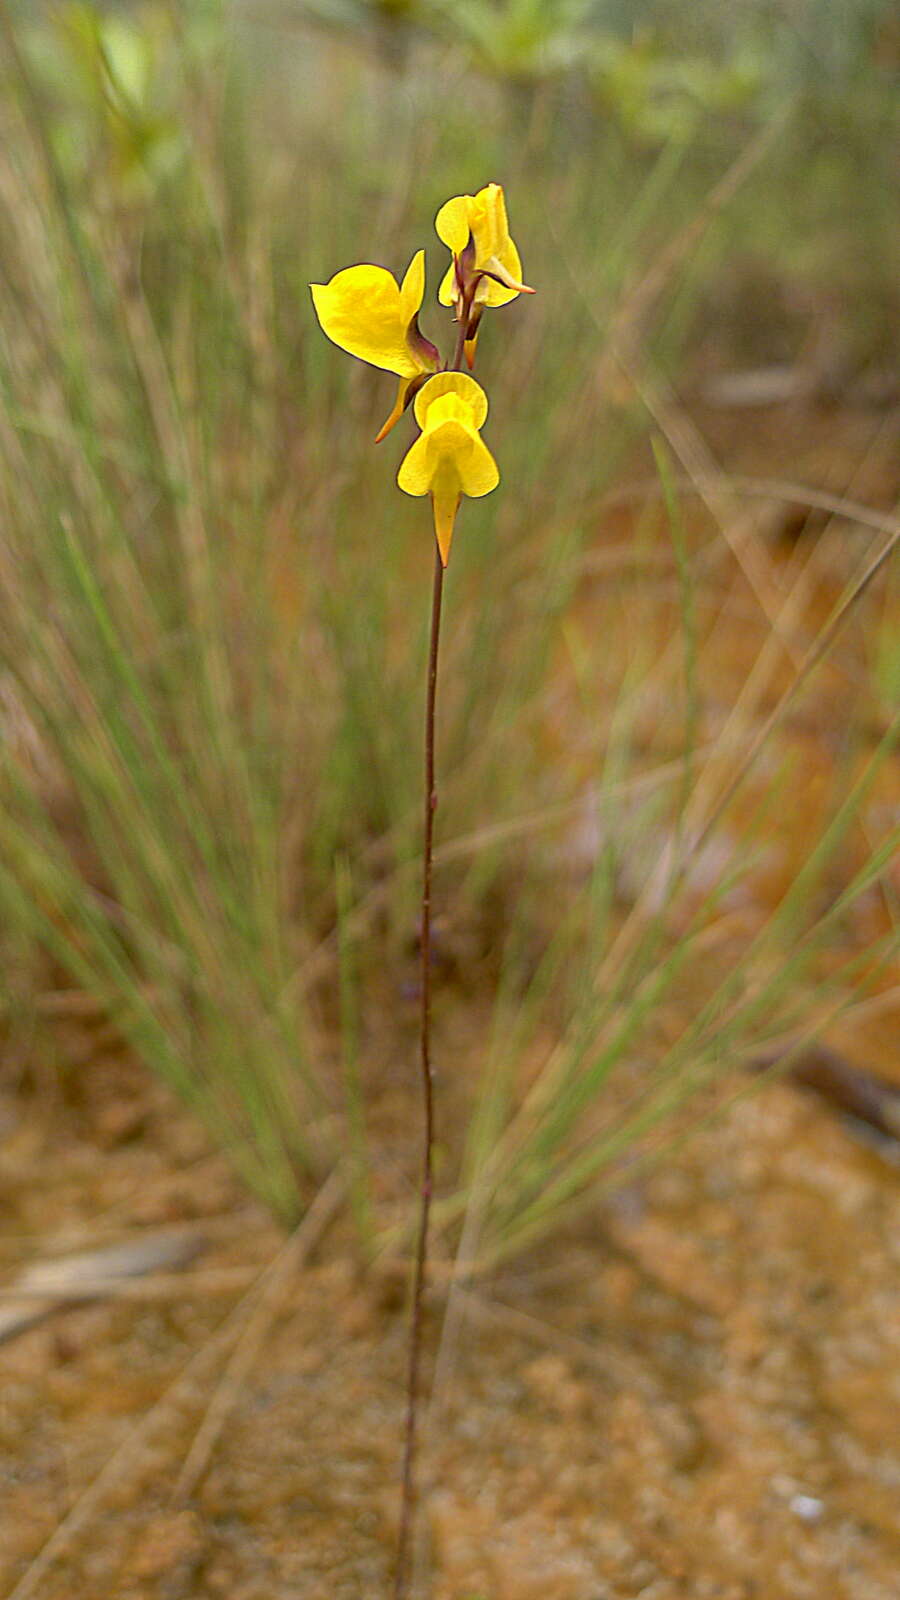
column 270, row 1291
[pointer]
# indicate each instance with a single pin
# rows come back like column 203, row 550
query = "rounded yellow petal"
column 456, row 383
column 447, row 291
column 452, row 224
column 478, row 471
column 412, row 289
column 416, row 470
column 360, row 310
column 492, row 228
column 496, row 295
column 438, row 456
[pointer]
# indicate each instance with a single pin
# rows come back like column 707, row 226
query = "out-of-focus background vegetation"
column 668, row 816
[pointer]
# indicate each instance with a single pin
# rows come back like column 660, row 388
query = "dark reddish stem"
column 407, row 1509
column 408, row 1500
column 461, row 341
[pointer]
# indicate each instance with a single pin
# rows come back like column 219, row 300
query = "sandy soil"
column 695, row 1392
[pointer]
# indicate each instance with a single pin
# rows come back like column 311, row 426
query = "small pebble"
column 807, row 1507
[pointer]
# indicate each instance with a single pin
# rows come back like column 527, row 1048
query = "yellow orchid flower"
column 449, row 459
column 486, row 269
column 366, row 312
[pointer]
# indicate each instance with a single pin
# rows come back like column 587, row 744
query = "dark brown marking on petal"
column 422, row 348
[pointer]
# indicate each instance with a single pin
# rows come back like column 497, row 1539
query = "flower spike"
column 366, row 312
column 449, row 459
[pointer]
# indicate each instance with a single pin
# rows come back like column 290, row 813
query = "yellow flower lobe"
column 366, row 312
column 481, row 217
column 449, row 459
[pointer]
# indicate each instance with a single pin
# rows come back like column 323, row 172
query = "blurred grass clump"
column 214, row 601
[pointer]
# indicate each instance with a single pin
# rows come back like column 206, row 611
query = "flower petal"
column 510, row 266
column 360, row 311
column 399, row 407
column 481, row 217
column 415, row 472
column 447, row 291
column 422, row 350
column 478, row 471
column 458, row 383
column 452, row 224
column 493, row 234
column 445, row 503
column 412, row 289
column 449, row 458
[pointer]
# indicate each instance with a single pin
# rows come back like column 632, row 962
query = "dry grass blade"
column 814, row 655
column 161, row 1287
column 783, row 489
column 642, row 299
column 467, row 846
column 40, row 1288
column 710, row 482
column 615, row 1366
column 127, row 1458
column 269, row 1298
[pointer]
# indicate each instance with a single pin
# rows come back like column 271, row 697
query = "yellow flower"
column 449, row 459
column 367, row 313
column 486, row 269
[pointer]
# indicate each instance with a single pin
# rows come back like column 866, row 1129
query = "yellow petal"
column 445, row 503
column 456, row 383
column 493, row 234
column 482, row 215
column 447, row 291
column 449, row 458
column 450, row 438
column 478, row 472
column 396, row 414
column 470, row 346
column 360, row 310
column 412, row 289
column 509, row 266
column 416, row 470
column 452, row 225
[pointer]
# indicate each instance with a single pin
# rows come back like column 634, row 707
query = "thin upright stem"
column 418, row 1294
column 408, row 1497
column 459, row 352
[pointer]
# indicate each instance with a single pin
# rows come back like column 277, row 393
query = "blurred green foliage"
column 111, row 79
column 657, row 65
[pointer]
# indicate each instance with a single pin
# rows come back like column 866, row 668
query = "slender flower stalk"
column 367, row 313
column 408, row 1493
column 408, row 1497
